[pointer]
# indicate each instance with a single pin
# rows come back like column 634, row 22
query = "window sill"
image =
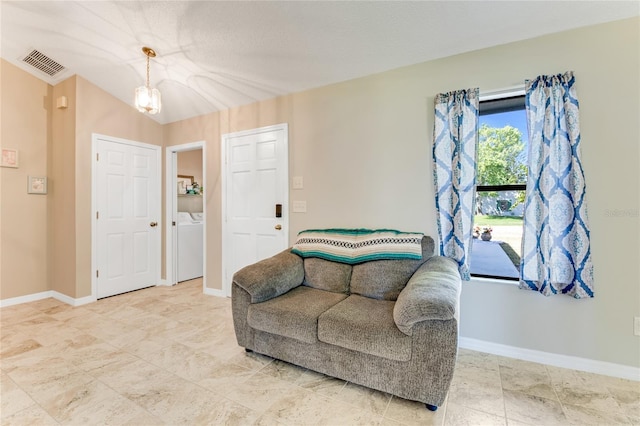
column 481, row 280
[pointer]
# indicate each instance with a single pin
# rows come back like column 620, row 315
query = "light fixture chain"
column 148, row 84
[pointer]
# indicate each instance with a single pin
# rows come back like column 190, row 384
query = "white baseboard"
column 214, row 292
column 71, row 301
column 556, row 360
column 45, row 295
column 25, row 299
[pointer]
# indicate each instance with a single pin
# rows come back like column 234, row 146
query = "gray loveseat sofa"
column 390, row 325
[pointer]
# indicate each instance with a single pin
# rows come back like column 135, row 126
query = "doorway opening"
column 186, row 223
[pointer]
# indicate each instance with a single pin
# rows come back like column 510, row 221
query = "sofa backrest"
column 327, row 275
column 377, row 279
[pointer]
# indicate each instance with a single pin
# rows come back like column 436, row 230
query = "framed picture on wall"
column 184, row 183
column 37, row 185
column 9, row 158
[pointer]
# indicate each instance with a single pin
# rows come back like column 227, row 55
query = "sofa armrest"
column 271, row 277
column 432, row 293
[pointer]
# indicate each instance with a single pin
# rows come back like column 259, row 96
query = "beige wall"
column 364, row 150
column 62, row 172
column 190, row 164
column 25, row 119
column 204, row 128
column 210, row 128
column 46, row 240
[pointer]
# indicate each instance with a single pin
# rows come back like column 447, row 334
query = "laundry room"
column 190, row 217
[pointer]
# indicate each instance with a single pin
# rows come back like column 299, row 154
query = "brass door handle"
column 278, row 227
column 153, row 224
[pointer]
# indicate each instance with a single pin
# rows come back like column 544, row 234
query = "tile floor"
column 167, row 355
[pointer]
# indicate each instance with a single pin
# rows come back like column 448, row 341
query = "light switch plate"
column 298, row 182
column 299, row 206
column 636, row 326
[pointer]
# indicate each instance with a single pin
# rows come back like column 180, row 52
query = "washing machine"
column 190, row 246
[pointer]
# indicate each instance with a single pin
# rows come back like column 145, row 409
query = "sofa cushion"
column 385, row 279
column 327, row 275
column 365, row 325
column 294, row 314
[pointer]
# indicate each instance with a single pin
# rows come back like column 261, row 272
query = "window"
column 500, row 191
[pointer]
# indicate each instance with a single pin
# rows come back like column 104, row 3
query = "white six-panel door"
column 255, row 181
column 127, row 228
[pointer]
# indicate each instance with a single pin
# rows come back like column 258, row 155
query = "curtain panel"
column 556, row 253
column 455, row 137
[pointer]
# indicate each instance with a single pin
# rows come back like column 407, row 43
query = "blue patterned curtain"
column 455, row 137
column 555, row 247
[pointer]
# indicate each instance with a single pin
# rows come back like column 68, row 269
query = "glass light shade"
column 148, row 100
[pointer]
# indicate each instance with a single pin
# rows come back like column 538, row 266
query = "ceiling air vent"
column 43, row 63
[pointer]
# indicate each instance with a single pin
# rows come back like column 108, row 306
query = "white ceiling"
column 216, row 55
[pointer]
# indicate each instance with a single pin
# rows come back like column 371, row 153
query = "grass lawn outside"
column 488, row 220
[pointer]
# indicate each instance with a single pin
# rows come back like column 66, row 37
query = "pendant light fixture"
column 147, row 98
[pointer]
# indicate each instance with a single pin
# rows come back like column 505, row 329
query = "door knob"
column 278, row 227
column 153, row 224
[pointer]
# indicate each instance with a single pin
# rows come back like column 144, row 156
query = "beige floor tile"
column 250, row 360
column 221, row 412
column 265, row 420
column 12, row 398
column 64, row 312
column 303, row 407
column 259, row 391
column 91, row 403
column 533, row 409
column 44, row 377
column 627, row 396
column 598, row 398
column 413, row 413
column 477, row 374
column 530, row 382
column 321, row 383
column 146, row 347
column 365, row 398
column 460, row 415
column 179, row 402
column 132, row 377
column 168, row 355
column 227, row 349
column 578, row 415
column 87, row 321
column 389, row 422
column 33, row 415
column 17, row 345
column 48, row 303
column 283, row 370
column 476, row 359
column 17, row 313
column 224, row 374
column 95, row 356
column 480, row 395
column 520, row 364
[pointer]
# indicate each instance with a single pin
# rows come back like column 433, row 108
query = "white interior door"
column 127, row 201
column 256, row 181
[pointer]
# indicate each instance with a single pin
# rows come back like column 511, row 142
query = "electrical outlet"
column 636, row 326
column 299, row 206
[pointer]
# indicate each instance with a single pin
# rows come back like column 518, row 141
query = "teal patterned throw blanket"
column 353, row 246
